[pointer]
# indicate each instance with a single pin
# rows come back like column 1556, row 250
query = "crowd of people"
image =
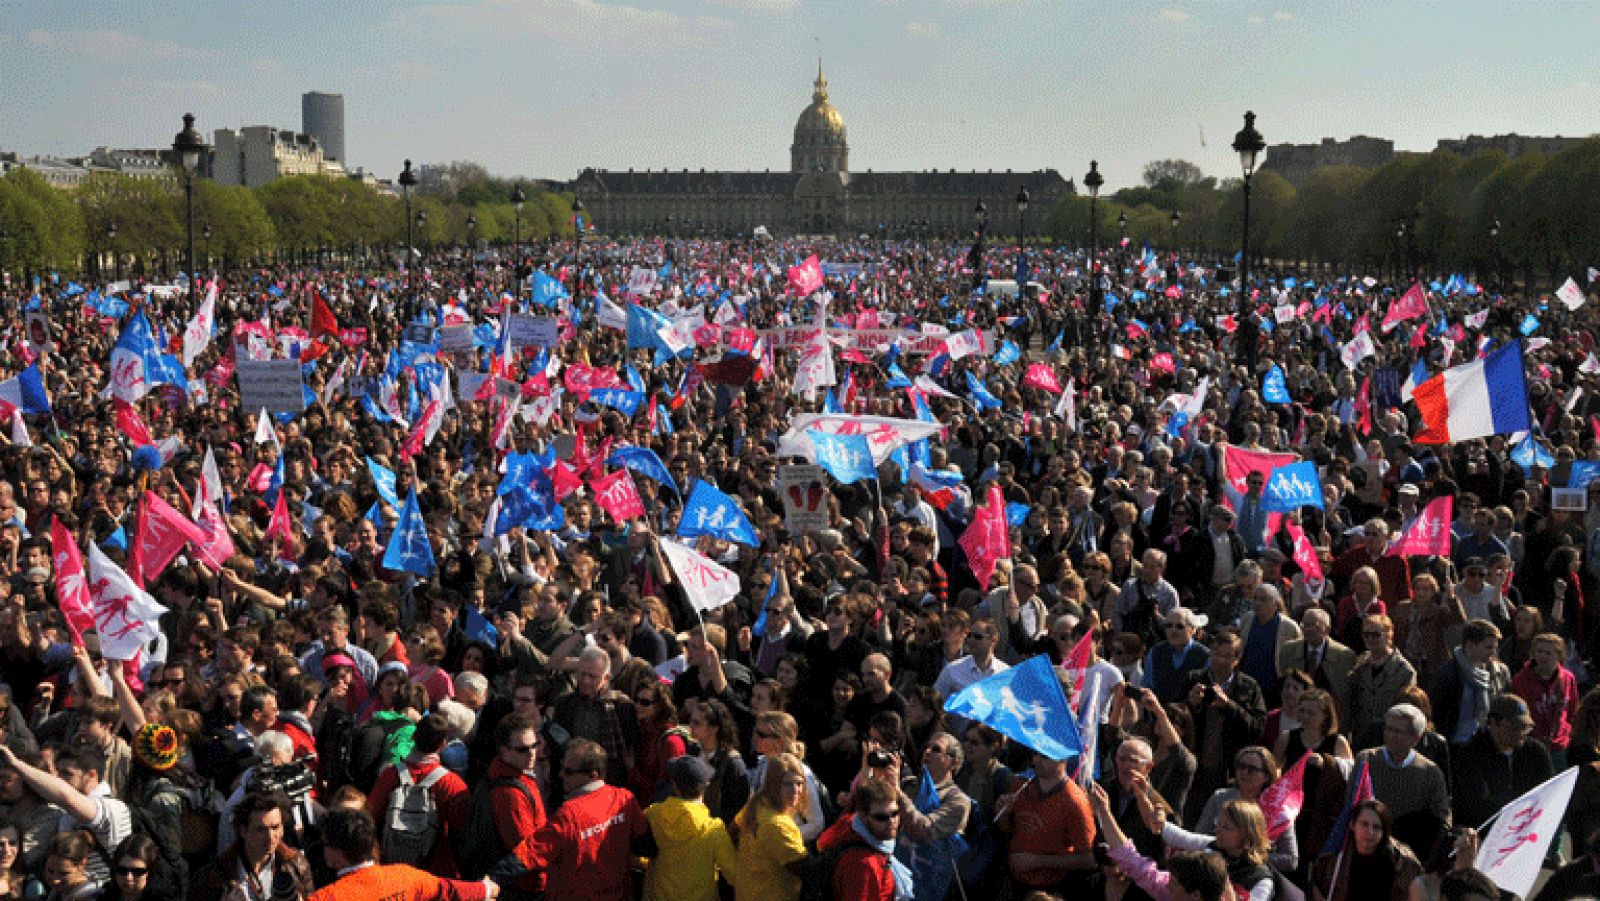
column 548, row 711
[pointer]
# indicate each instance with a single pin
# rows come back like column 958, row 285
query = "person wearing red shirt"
column 585, row 849
column 514, row 793
column 1052, row 831
column 1552, row 695
column 866, row 867
column 450, row 794
column 349, row 846
column 297, row 703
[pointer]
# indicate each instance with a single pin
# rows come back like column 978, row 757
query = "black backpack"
column 478, row 847
column 173, row 874
column 816, row 880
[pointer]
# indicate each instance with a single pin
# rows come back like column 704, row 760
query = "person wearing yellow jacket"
column 693, row 846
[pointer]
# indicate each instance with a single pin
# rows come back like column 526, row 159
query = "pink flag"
column 216, row 548
column 564, row 480
column 806, row 277
column 1077, row 662
column 1041, row 376
column 162, row 532
column 72, row 588
column 427, row 424
column 1282, row 800
column 280, row 527
column 1163, row 362
column 617, row 496
column 1239, row 463
column 1305, row 557
column 1428, row 534
column 987, row 540
column 260, row 478
column 1409, row 305
column 1419, row 339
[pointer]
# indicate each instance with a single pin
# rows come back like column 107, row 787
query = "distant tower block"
column 322, row 117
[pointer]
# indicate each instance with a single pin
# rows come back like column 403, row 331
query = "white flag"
column 19, row 430
column 209, row 491
column 1476, row 320
column 1513, row 849
column 816, row 366
column 611, row 315
column 1571, row 295
column 1590, row 364
column 125, row 616
column 707, row 584
column 964, row 344
column 929, row 386
column 1359, row 348
column 1067, row 406
column 197, row 335
column 265, row 434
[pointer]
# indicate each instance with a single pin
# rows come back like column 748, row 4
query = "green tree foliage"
column 42, row 228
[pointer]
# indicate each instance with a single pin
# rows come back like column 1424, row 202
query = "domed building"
column 819, row 195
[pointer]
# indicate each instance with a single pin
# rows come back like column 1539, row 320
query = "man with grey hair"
column 599, row 714
column 1147, row 598
column 1134, row 761
column 1167, row 663
column 1326, row 661
column 930, row 832
column 1409, row 784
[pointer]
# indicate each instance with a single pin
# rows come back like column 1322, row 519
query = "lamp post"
column 472, row 234
column 518, row 198
column 111, row 240
column 1122, row 224
column 408, row 180
column 1494, row 244
column 1177, row 220
column 1022, row 240
column 980, row 215
column 1399, row 251
column 422, row 222
column 1093, row 181
column 1248, row 143
column 577, row 254
column 205, row 232
column 188, row 146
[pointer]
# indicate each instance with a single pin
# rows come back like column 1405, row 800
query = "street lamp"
column 111, row 238
column 1122, row 224
column 1093, row 181
column 205, row 232
column 422, row 221
column 980, row 215
column 1399, row 250
column 1177, row 220
column 1249, row 144
column 472, row 234
column 518, row 198
column 1494, row 241
column 408, row 180
column 577, row 254
column 188, row 146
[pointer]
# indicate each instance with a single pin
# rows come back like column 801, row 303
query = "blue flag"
column 1342, row 825
column 1017, row 514
column 1026, row 704
column 847, row 458
column 1274, row 387
column 1583, row 472
column 980, row 394
column 1529, row 453
column 547, row 292
column 643, row 461
column 117, row 539
column 618, row 399
column 1008, row 353
column 383, row 479
column 1055, row 343
column 643, row 326
column 409, row 550
column 710, row 512
column 1291, row 487
column 1529, row 325
column 478, row 628
column 897, row 377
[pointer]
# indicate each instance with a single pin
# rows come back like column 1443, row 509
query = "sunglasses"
column 883, row 817
column 522, row 749
column 132, row 871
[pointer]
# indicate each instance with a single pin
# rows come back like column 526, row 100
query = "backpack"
column 411, row 826
column 173, row 875
column 478, row 847
column 816, row 879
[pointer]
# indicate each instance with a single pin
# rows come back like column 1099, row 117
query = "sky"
column 544, row 88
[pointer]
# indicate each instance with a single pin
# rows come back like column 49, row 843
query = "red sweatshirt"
column 515, row 818
column 450, row 796
column 584, row 849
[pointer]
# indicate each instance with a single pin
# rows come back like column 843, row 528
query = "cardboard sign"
column 864, row 339
column 272, row 385
column 418, row 333
column 468, row 384
column 1575, row 500
column 534, row 331
column 804, row 489
column 39, row 334
column 455, row 339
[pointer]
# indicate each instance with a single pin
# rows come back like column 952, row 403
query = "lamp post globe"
column 408, row 180
column 518, row 198
column 1249, row 144
column 472, row 232
column 111, row 239
column 188, row 146
column 1177, row 220
column 1094, row 181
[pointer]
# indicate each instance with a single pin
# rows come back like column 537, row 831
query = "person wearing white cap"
column 1167, row 664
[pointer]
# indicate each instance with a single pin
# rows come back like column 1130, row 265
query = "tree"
column 146, row 213
column 1183, row 172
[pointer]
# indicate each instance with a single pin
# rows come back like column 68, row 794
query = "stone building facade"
column 818, row 195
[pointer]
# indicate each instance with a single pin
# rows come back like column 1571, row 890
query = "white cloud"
column 117, row 45
column 1173, row 15
column 1256, row 20
column 615, row 25
column 922, row 29
column 1281, row 16
column 766, row 6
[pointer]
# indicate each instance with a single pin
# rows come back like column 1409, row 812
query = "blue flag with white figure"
column 383, row 479
column 618, row 399
column 477, row 628
column 980, row 394
column 847, row 458
column 1583, row 472
column 1026, row 704
column 1291, row 487
column 711, row 512
column 1530, row 324
column 643, row 461
column 1008, row 353
column 547, row 292
column 1017, row 514
column 897, row 377
column 1530, row 453
column 409, row 550
column 1274, row 387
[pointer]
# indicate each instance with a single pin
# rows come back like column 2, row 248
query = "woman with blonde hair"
column 771, row 849
column 1254, row 768
column 1365, row 599
column 1241, row 841
column 777, row 733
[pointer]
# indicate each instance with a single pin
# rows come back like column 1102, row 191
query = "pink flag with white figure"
column 281, row 528
column 987, row 540
column 617, row 495
column 1409, row 305
column 1429, row 534
column 1305, row 557
column 1283, row 799
column 806, row 277
column 1041, row 376
column 72, row 586
column 162, row 532
column 1077, row 662
column 564, row 480
column 129, row 423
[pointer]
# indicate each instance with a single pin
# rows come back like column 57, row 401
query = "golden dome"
column 820, row 120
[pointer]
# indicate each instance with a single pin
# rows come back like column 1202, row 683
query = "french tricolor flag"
column 1488, row 396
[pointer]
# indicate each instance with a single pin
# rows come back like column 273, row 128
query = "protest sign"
column 271, row 385
column 534, row 331
column 805, row 498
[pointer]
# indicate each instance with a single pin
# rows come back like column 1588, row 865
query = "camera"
column 879, row 759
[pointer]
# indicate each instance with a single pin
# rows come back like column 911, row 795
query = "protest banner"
column 272, row 385
column 533, row 331
column 805, row 498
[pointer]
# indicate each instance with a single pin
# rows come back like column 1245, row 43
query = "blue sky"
column 545, row 87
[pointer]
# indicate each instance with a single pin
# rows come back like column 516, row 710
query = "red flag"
column 1363, row 406
column 1419, row 339
column 323, row 322
column 162, row 532
column 1077, row 662
column 564, row 480
column 281, row 528
column 131, row 426
column 1305, row 557
column 1041, row 376
column 1283, row 799
column 1409, row 305
column 617, row 496
column 988, row 539
column 72, row 587
column 216, row 548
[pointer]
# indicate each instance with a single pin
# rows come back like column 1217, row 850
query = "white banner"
column 816, row 367
column 707, row 584
column 1513, row 849
column 273, row 385
column 1571, row 295
column 125, row 616
column 885, row 434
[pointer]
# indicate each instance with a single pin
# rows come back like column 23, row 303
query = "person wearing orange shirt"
column 1052, row 831
column 350, row 841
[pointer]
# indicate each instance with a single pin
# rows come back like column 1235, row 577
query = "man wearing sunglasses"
column 866, row 868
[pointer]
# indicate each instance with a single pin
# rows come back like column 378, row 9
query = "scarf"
column 1476, row 680
column 902, row 873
